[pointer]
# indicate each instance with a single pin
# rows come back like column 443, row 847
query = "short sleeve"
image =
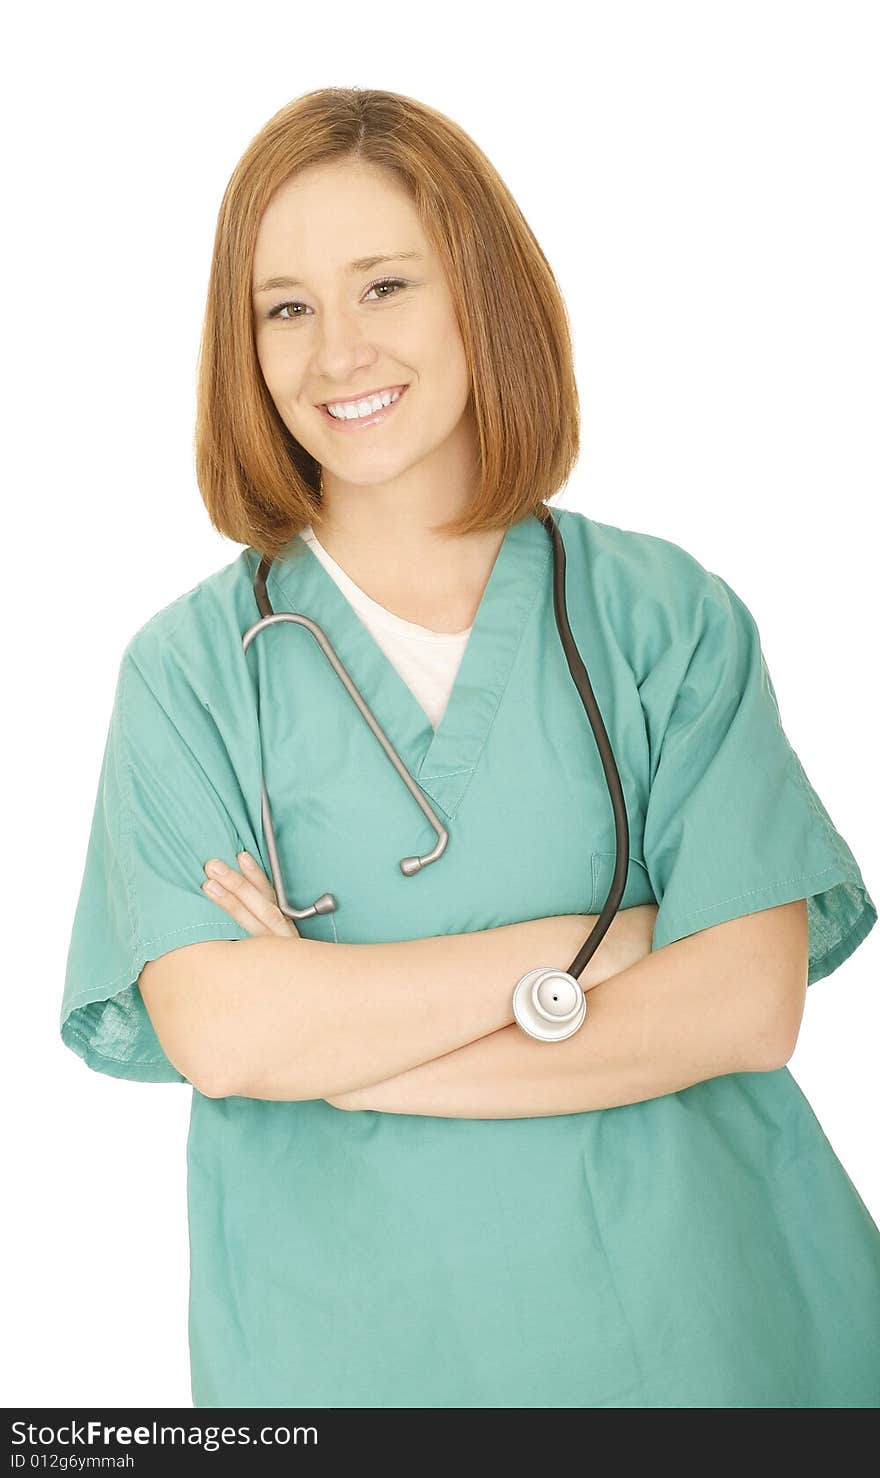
column 732, row 824
column 158, row 817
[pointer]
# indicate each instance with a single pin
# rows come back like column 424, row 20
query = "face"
column 341, row 333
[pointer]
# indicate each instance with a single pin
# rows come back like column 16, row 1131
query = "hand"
column 249, row 898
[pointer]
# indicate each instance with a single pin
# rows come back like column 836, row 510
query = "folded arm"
column 426, row 1025
column 276, row 1016
column 727, row 999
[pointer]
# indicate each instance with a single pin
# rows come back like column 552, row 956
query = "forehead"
column 330, row 214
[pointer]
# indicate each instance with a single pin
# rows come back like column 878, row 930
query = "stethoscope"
column 548, row 1003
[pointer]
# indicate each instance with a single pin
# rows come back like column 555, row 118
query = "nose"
column 342, row 337
column 339, row 360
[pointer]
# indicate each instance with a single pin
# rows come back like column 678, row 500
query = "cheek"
column 440, row 356
column 270, row 368
column 453, row 378
column 280, row 369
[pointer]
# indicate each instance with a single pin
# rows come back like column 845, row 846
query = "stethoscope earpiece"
column 549, row 1004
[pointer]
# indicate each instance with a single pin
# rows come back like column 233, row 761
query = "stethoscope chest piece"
column 549, row 1004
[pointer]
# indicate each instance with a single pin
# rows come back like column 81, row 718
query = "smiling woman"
column 471, row 321
column 396, row 1196
column 336, row 347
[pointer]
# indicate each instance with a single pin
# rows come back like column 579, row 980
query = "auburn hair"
column 259, row 485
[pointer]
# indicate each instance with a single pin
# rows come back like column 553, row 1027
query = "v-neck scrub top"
column 703, row 1248
column 428, row 661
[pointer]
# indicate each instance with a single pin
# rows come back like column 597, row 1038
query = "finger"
column 249, row 901
column 232, row 906
column 254, row 873
column 252, row 870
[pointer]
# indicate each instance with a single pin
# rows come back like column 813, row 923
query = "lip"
column 364, row 395
column 360, row 423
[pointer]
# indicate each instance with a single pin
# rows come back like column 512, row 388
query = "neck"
column 384, row 536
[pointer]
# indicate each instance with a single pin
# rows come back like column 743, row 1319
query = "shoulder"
column 648, row 562
column 654, row 600
column 652, row 577
column 200, row 632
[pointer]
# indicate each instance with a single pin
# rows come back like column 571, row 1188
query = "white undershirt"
column 428, row 661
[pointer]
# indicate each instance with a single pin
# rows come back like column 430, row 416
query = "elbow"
column 201, row 1055
column 211, row 1086
column 220, row 1079
column 182, row 993
column 218, row 1060
column 772, row 1053
column 214, row 1075
column 205, row 1076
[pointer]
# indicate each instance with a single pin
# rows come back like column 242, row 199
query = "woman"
column 397, row 1197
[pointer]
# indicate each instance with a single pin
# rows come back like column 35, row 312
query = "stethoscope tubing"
column 411, row 865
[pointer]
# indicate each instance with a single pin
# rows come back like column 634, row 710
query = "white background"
column 703, row 179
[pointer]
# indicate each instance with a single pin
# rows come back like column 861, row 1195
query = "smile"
column 372, row 410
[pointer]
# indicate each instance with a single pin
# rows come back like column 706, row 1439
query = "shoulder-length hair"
column 259, row 485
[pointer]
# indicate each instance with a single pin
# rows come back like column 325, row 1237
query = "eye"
column 278, row 311
column 387, row 282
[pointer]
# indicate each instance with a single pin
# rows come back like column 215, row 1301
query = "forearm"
column 296, row 1019
column 696, row 1009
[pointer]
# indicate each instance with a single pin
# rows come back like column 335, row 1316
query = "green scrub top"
column 704, row 1248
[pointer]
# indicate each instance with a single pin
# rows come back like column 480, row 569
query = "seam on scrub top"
column 816, row 960
column 782, row 883
column 128, row 833
column 810, row 794
column 446, row 775
column 129, row 806
column 472, row 769
column 140, row 945
column 88, row 998
column 185, row 745
column 596, row 871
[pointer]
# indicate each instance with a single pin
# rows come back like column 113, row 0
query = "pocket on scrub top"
column 638, row 884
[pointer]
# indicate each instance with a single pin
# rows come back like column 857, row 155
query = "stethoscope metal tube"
column 408, row 865
column 548, row 1003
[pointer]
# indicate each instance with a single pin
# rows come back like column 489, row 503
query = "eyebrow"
column 363, row 264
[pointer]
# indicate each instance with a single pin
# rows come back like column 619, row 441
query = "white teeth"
column 368, row 407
